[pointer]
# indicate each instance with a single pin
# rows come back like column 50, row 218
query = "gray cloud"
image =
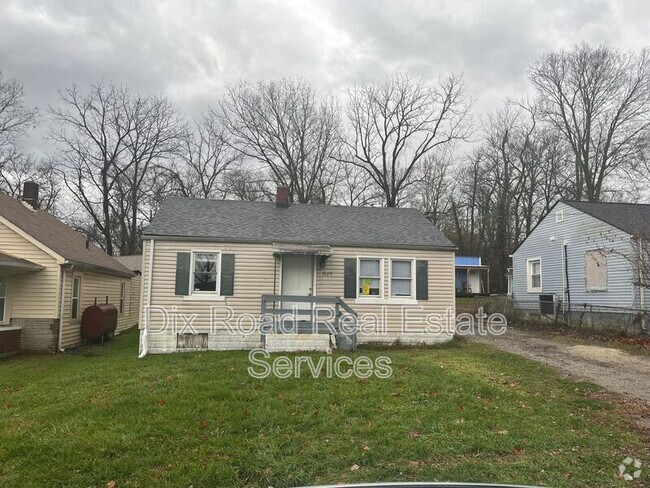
column 191, row 50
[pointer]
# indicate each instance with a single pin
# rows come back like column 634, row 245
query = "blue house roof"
column 467, row 261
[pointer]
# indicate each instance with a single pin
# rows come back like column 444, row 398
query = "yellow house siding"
column 97, row 286
column 257, row 272
column 33, row 295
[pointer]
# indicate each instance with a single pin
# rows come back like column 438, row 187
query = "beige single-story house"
column 221, row 274
column 49, row 274
column 132, row 262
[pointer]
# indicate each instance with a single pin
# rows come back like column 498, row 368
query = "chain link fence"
column 583, row 316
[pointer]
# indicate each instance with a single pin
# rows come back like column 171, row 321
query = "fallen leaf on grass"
column 354, row 467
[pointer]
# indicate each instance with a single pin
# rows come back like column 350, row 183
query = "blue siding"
column 582, row 233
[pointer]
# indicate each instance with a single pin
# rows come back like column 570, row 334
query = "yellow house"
column 49, row 274
column 221, row 274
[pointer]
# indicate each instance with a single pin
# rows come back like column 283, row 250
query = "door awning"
column 17, row 265
column 304, row 249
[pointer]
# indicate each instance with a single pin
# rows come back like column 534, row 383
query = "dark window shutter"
column 422, row 280
column 227, row 274
column 183, row 260
column 350, row 278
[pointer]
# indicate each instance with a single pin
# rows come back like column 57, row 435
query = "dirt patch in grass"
column 604, row 337
column 613, row 369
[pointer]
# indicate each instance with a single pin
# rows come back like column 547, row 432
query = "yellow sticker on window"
column 365, row 287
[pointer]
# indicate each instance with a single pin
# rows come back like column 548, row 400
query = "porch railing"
column 309, row 315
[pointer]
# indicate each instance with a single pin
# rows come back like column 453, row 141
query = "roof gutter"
column 450, row 248
column 100, row 269
column 146, row 309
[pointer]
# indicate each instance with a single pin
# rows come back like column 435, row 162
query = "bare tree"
column 354, row 188
column 15, row 118
column 598, row 99
column 109, row 139
column 435, row 185
column 204, row 158
column 396, row 123
column 17, row 171
column 507, row 184
column 284, row 125
column 249, row 185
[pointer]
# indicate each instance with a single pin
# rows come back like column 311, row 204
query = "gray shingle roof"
column 633, row 218
column 50, row 231
column 132, row 261
column 235, row 221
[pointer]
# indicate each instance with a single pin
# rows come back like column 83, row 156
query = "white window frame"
column 529, row 276
column 76, row 309
column 381, row 278
column 5, row 299
column 559, row 216
column 589, row 289
column 122, row 298
column 217, row 291
column 390, row 279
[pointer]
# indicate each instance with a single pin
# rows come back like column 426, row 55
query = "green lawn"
column 456, row 412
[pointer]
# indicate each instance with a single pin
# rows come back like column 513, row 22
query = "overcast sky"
column 189, row 50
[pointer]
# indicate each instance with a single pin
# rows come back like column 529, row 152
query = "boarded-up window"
column 596, row 270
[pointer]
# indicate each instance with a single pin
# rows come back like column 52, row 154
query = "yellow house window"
column 3, row 296
column 76, row 297
column 122, row 297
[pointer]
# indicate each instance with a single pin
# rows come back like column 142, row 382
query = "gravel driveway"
column 613, row 369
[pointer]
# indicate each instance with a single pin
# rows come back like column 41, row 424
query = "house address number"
column 324, row 274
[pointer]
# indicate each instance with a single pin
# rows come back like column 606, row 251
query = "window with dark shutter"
column 227, row 287
column 350, row 278
column 422, row 280
column 183, row 260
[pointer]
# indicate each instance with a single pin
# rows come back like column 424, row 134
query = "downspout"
column 641, row 287
column 566, row 277
column 59, row 345
column 147, row 314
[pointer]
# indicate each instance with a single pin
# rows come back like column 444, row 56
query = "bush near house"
column 461, row 411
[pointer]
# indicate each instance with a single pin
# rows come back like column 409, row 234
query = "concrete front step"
column 299, row 342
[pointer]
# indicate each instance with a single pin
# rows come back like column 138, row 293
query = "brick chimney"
column 282, row 197
column 30, row 194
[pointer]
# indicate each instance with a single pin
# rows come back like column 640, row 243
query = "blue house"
column 584, row 256
column 472, row 277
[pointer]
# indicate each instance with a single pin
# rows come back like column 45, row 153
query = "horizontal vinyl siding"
column 582, row 233
column 96, row 285
column 33, row 294
column 441, row 284
column 254, row 265
column 257, row 272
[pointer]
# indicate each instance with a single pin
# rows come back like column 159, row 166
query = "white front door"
column 297, row 279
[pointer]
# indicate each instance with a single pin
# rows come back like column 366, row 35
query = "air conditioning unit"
column 547, row 304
